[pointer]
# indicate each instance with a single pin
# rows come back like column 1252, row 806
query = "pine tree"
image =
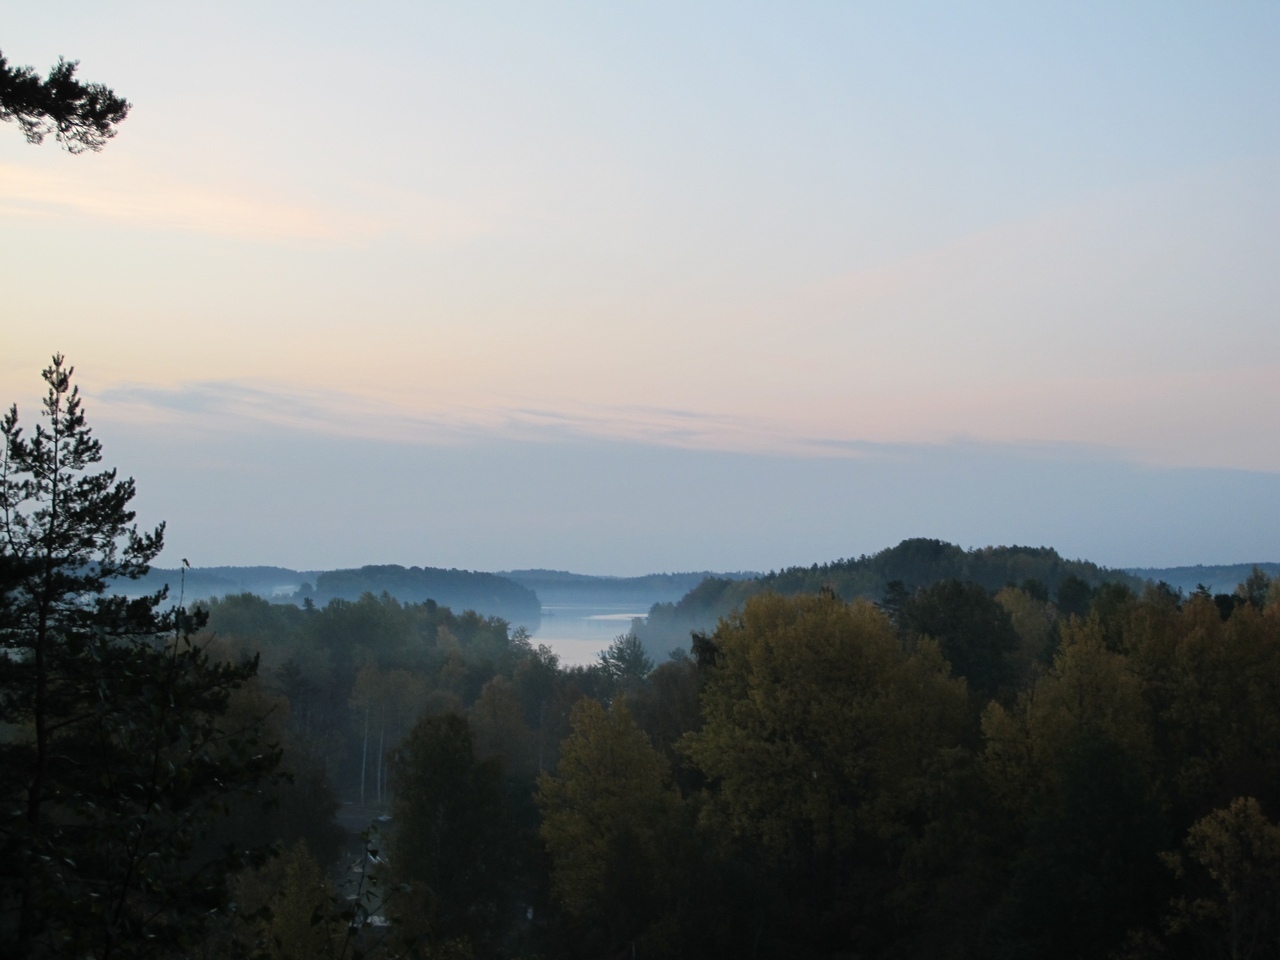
column 81, row 116
column 115, row 756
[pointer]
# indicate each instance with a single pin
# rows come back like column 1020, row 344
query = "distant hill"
column 562, row 587
column 485, row 593
column 916, row 563
column 205, row 582
column 1218, row 579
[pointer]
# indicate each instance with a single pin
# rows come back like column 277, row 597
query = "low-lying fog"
column 578, row 632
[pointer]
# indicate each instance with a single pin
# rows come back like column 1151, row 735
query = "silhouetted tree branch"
column 81, row 116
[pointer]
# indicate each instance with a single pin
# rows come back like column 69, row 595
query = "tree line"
column 912, row 563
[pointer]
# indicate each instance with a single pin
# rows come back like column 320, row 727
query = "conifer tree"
column 115, row 756
column 81, row 116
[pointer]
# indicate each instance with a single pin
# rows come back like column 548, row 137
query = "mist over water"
column 577, row 632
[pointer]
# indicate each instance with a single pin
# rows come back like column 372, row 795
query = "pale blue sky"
column 691, row 242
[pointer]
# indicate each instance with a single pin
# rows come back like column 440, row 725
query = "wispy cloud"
column 144, row 200
column 1171, row 419
column 232, row 406
column 239, row 407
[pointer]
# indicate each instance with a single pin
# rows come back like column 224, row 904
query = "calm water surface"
column 578, row 632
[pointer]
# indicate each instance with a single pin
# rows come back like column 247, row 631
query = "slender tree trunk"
column 542, row 728
column 36, row 786
column 364, row 753
column 382, row 730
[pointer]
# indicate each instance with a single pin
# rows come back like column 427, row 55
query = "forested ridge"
column 489, row 593
column 912, row 563
column 1216, row 578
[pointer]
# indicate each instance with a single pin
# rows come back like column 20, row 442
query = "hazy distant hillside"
column 678, row 602
column 559, row 586
column 1218, row 579
column 205, row 582
column 914, row 562
column 485, row 593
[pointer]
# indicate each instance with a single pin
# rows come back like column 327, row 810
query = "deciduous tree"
column 1230, row 866
column 452, row 842
column 826, row 744
column 608, row 818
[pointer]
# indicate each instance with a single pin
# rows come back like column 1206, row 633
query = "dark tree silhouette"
column 81, row 116
column 118, row 754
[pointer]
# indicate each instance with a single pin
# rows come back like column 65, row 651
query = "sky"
column 629, row 287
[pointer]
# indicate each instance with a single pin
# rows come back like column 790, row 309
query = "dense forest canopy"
column 952, row 771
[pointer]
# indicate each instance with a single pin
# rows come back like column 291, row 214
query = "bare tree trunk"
column 542, row 727
column 382, row 730
column 36, row 786
column 364, row 753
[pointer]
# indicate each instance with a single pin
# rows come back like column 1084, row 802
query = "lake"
column 577, row 632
